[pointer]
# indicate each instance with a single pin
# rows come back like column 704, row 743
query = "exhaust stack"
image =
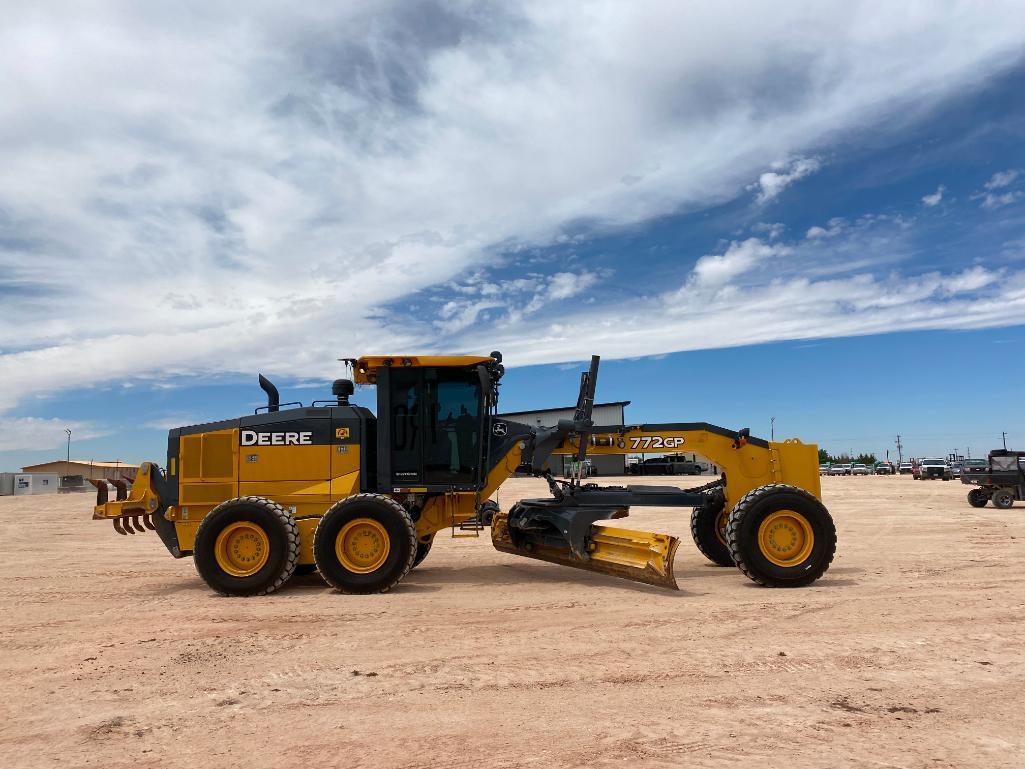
column 273, row 399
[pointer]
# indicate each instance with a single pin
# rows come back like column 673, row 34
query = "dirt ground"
column 908, row 653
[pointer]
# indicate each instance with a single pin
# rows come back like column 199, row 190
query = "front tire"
column 364, row 544
column 246, row 546
column 487, row 512
column 978, row 498
column 781, row 536
column 1002, row 499
column 708, row 528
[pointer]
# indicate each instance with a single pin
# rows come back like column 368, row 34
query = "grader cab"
column 360, row 498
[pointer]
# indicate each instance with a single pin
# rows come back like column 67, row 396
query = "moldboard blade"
column 639, row 556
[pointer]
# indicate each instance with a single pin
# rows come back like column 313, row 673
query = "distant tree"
column 824, row 457
column 866, row 459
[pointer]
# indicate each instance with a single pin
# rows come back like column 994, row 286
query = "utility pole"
column 68, row 431
column 900, row 456
column 772, row 428
column 1005, row 440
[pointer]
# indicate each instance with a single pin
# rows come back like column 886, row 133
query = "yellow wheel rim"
column 720, row 526
column 362, row 545
column 786, row 538
column 242, row 549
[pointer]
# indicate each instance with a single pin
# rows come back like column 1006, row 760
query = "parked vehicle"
column 668, row 465
column 885, row 468
column 823, row 469
column 860, row 469
column 905, row 468
column 840, row 470
column 1001, row 482
column 956, row 469
column 930, row 469
column 974, row 467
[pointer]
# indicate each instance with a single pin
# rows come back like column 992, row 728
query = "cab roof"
column 364, row 369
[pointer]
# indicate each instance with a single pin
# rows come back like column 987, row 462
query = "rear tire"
column 246, row 546
column 781, row 536
column 422, row 549
column 1002, row 499
column 978, row 498
column 364, row 544
column 708, row 528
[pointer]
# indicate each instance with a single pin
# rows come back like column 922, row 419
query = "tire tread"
column 291, row 535
column 736, row 519
column 407, row 520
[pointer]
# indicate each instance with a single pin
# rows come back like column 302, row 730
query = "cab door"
column 429, row 429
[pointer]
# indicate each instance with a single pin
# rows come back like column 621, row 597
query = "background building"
column 601, row 414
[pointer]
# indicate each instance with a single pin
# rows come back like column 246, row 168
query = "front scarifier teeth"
column 148, row 520
column 118, row 527
column 101, row 491
column 122, row 489
column 138, row 524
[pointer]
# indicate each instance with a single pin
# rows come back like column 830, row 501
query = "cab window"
column 453, row 435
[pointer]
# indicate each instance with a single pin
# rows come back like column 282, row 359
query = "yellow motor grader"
column 333, row 488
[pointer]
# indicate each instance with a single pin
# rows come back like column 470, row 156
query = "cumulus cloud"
column 1002, row 179
column 772, row 183
column 719, row 269
column 513, row 299
column 991, row 201
column 934, row 199
column 990, row 195
column 835, row 226
column 198, row 189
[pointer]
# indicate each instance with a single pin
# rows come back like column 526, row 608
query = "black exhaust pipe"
column 273, row 399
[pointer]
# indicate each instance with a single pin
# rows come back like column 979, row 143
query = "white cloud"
column 35, row 433
column 772, row 230
column 934, row 199
column 836, row 225
column 795, row 308
column 719, row 269
column 208, row 190
column 748, row 295
column 514, row 298
column 772, row 183
column 457, row 315
column 991, row 201
column 1002, row 179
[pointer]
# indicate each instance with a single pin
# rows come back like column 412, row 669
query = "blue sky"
column 814, row 213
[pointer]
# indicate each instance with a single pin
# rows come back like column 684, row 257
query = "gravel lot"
column 908, row 653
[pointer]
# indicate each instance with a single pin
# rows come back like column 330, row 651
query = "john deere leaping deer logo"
column 500, row 429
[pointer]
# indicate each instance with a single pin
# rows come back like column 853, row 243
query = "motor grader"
column 360, row 498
